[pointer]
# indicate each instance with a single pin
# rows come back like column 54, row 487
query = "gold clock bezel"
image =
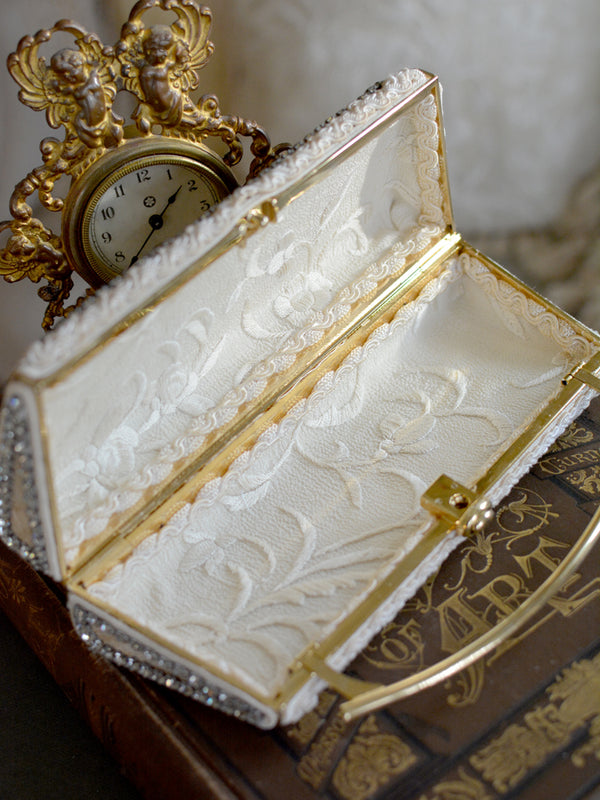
column 87, row 190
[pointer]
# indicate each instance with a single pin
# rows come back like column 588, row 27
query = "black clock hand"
column 156, row 223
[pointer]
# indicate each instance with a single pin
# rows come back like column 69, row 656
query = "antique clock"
column 131, row 186
column 137, row 196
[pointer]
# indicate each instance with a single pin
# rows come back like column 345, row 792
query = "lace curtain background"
column 522, row 114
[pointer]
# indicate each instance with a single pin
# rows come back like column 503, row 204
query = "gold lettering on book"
column 469, row 605
column 526, row 514
column 373, row 759
column 397, row 647
column 316, row 765
column 463, row 787
column 307, row 726
column 503, row 594
column 587, row 480
column 545, row 730
column 459, row 621
column 468, row 685
column 541, row 556
column 575, row 435
column 558, row 465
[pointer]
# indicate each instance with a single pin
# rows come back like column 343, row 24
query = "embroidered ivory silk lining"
column 269, row 556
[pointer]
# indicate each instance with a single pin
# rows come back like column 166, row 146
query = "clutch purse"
column 245, row 454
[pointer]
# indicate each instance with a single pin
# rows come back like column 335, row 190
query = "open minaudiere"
column 252, row 448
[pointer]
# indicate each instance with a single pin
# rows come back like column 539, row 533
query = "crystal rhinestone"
column 207, row 694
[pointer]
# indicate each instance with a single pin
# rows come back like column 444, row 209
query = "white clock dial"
column 137, row 207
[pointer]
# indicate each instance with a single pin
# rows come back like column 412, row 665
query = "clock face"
column 141, row 204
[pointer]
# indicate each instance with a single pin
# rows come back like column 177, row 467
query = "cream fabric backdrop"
column 521, row 94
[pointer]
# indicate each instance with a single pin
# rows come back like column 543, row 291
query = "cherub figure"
column 159, row 65
column 162, row 53
column 76, row 90
column 31, row 251
column 159, row 68
column 94, row 123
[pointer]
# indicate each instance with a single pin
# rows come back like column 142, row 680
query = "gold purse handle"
column 364, row 697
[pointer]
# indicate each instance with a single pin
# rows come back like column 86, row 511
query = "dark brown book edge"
column 134, row 723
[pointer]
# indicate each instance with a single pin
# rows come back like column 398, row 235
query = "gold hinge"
column 458, row 506
column 257, row 218
column 583, row 375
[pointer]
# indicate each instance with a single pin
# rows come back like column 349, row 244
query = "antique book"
column 521, row 722
column 254, row 447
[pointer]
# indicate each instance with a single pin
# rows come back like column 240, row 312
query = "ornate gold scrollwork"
column 77, row 88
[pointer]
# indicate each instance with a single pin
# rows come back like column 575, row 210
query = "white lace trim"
column 519, row 307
